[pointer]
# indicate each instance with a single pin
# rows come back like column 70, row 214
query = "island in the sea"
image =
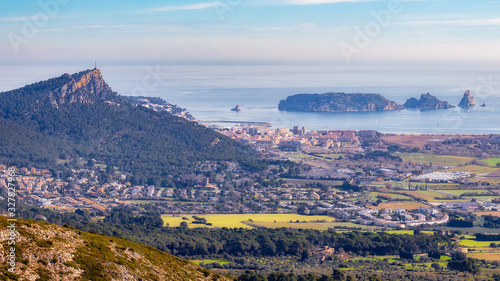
column 338, row 102
column 467, row 100
column 427, row 101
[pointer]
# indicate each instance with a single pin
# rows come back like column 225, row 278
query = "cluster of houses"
column 401, row 218
column 296, row 139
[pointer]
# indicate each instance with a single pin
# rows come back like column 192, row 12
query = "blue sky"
column 418, row 32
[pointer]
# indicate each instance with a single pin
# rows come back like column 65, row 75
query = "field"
column 428, row 195
column 235, row 220
column 389, row 195
column 472, row 169
column 397, row 205
column 492, row 161
column 435, row 159
column 419, row 140
column 485, row 198
column 460, row 192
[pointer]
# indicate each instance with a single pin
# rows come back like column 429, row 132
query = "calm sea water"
column 209, row 92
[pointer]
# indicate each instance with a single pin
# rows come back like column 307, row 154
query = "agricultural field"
column 486, row 198
column 389, row 195
column 492, row 162
column 472, row 169
column 236, row 220
column 446, row 160
column 428, row 195
column 460, row 192
column 397, row 205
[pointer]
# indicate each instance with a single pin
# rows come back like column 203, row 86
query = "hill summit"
column 78, row 117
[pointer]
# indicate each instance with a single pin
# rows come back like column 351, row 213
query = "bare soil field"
column 419, row 140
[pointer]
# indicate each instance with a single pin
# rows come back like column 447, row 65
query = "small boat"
column 483, row 104
column 236, row 108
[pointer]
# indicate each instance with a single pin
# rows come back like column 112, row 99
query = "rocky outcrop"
column 337, row 102
column 427, row 101
column 84, row 87
column 467, row 100
column 51, row 252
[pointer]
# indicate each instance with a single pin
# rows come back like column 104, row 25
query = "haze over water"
column 209, row 92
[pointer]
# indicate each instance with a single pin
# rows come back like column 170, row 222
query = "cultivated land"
column 472, row 169
column 492, row 161
column 236, row 220
column 419, row 140
column 435, row 159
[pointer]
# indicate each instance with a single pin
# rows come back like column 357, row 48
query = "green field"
column 390, row 195
column 492, row 161
column 476, row 244
column 435, row 159
column 473, row 169
column 428, row 195
column 236, row 220
column 460, row 192
column 485, row 198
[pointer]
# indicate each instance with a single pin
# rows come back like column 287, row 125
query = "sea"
column 209, row 92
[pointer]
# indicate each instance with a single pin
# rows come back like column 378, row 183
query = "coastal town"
column 337, row 176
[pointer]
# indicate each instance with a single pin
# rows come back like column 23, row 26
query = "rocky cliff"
column 337, row 102
column 467, row 100
column 49, row 252
column 427, row 101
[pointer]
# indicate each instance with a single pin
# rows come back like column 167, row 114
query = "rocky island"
column 337, row 102
column 427, row 101
column 467, row 100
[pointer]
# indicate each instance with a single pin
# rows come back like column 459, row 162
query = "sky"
column 368, row 33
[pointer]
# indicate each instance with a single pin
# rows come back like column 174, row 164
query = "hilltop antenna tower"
column 95, row 67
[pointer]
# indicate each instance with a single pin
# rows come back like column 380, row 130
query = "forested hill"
column 79, row 116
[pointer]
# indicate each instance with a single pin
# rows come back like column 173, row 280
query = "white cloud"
column 200, row 6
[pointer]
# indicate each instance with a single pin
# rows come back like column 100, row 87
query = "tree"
column 338, row 274
column 407, row 255
column 373, row 278
column 468, row 265
column 184, row 224
column 436, row 266
column 434, row 254
column 325, row 277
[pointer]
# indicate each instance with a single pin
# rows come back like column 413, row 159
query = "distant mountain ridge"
column 337, row 102
column 79, row 116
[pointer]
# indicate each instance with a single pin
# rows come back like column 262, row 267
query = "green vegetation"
column 97, row 256
column 125, row 136
column 465, row 191
column 492, row 162
column 424, row 158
